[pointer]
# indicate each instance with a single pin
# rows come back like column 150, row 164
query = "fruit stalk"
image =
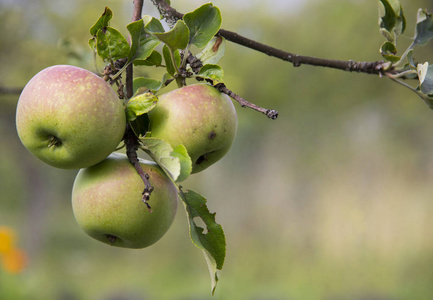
column 132, row 143
column 130, row 139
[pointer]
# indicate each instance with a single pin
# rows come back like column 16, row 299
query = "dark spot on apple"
column 112, row 239
column 211, row 135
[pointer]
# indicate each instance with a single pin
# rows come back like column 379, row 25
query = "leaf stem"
column 128, row 63
column 394, row 78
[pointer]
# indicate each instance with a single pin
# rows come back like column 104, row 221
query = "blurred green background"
column 331, row 201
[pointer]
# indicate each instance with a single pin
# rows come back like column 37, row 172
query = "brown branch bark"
column 130, row 139
column 377, row 67
column 270, row 113
column 132, row 143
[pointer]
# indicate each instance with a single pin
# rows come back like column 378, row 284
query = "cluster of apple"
column 71, row 118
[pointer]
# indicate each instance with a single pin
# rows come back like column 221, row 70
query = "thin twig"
column 270, row 113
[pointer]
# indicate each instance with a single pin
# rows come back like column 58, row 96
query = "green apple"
column 69, row 117
column 107, row 202
column 199, row 117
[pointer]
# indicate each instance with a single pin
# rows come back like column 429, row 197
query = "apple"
column 199, row 117
column 69, row 117
column 107, row 202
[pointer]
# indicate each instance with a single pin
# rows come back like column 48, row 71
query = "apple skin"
column 107, row 203
column 199, row 117
column 69, row 117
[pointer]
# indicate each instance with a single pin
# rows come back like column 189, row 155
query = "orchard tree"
column 71, row 118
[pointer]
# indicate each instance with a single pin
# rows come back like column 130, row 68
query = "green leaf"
column 212, row 72
column 387, row 15
column 147, row 83
column 425, row 75
column 392, row 21
column 203, row 24
column 140, row 125
column 410, row 58
column 152, row 24
column 111, row 44
column 142, row 42
column 169, row 64
column 424, row 28
column 102, row 22
column 388, row 51
column 92, row 44
column 154, row 59
column 213, row 51
column 136, row 30
column 185, row 162
column 212, row 241
column 162, row 153
column 139, row 105
column 176, row 38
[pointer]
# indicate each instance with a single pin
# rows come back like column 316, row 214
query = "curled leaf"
column 388, row 51
column 102, row 22
column 425, row 75
column 213, row 51
column 392, row 21
column 212, row 72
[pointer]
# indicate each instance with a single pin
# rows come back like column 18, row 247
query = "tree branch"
column 130, row 139
column 132, row 143
column 378, row 67
column 138, row 9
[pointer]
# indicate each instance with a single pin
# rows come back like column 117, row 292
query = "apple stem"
column 270, row 113
column 131, row 140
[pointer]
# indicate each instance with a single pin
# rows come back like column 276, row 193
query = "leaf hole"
column 200, row 223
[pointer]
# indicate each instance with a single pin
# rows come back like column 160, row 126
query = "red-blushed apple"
column 199, row 117
column 69, row 117
column 107, row 202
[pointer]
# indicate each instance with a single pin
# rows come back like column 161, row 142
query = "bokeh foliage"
column 331, row 201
